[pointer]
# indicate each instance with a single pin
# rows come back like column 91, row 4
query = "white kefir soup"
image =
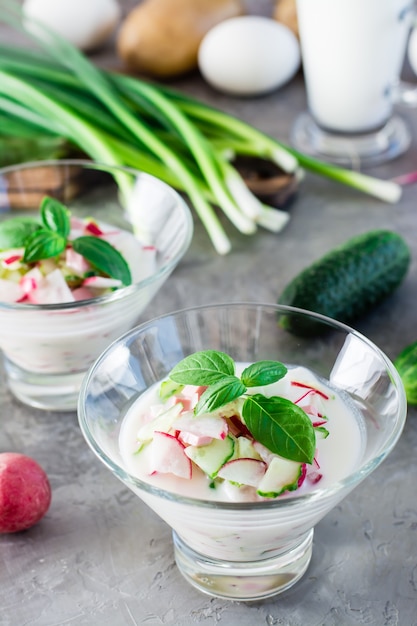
column 214, row 456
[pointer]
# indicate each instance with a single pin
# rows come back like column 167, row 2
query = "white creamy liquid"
column 338, row 454
column 352, row 51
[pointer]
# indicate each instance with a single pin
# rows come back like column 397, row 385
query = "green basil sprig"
column 277, row 423
column 50, row 238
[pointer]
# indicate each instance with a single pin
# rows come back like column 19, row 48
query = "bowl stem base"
column 49, row 392
column 243, row 581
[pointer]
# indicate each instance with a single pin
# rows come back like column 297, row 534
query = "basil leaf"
column 203, row 368
column 14, row 232
column 281, row 426
column 43, row 244
column 55, row 216
column 222, row 392
column 263, row 373
column 104, row 257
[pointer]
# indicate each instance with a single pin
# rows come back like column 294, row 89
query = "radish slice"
column 194, row 440
column 243, row 471
column 167, row 456
column 52, row 289
column 76, row 262
column 82, row 293
column 101, row 282
column 204, row 425
column 10, row 292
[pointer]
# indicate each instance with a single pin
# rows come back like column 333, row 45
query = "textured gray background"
column 101, row 557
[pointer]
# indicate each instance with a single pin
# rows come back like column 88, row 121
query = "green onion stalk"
column 54, row 90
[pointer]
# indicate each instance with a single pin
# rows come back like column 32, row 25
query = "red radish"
column 243, row 471
column 25, row 492
column 204, row 425
column 295, row 383
column 240, row 427
column 30, row 281
column 194, row 440
column 52, row 289
column 168, row 457
column 82, row 293
column 76, row 261
column 10, row 292
column 101, row 282
column 91, row 228
column 12, row 261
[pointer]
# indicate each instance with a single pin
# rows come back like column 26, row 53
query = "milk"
column 352, row 51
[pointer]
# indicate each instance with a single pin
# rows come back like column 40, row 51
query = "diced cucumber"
column 211, row 457
column 161, row 423
column 281, row 475
column 244, row 449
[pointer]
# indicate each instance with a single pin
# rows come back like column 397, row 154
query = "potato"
column 285, row 11
column 25, row 492
column 161, row 37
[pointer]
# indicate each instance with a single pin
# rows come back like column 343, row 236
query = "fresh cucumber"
column 281, row 475
column 348, row 281
column 212, row 456
column 406, row 364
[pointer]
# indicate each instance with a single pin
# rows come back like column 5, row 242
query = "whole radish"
column 25, row 492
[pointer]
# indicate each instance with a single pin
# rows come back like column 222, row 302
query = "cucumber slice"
column 161, row 423
column 281, row 475
column 211, row 457
column 348, row 281
column 244, row 448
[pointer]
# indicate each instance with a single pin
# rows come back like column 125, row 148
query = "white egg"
column 249, row 55
column 86, row 24
column 412, row 50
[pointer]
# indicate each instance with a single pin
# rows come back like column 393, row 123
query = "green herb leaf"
column 55, row 216
column 263, row 373
column 43, row 244
column 14, row 232
column 203, row 368
column 103, row 256
column 220, row 393
column 281, row 426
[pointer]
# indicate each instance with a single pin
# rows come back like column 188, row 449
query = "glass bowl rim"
column 121, row 292
column 290, row 500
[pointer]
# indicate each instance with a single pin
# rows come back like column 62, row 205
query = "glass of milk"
column 47, row 348
column 227, row 546
column 353, row 52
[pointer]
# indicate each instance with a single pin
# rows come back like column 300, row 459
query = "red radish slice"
column 194, row 440
column 82, row 293
column 76, row 262
column 10, row 292
column 91, row 228
column 30, row 281
column 243, row 471
column 101, row 282
column 52, row 289
column 25, row 492
column 204, row 425
column 167, row 456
